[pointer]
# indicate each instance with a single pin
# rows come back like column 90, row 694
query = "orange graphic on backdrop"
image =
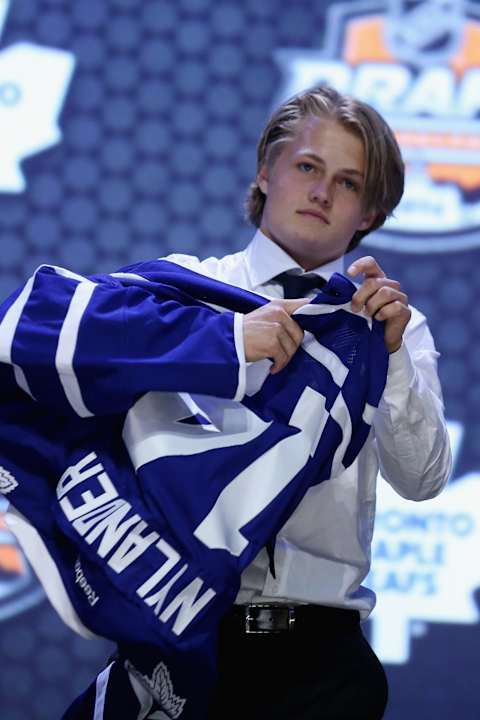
column 365, row 42
column 11, row 559
column 469, row 54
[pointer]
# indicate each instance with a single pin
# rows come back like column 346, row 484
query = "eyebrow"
column 314, row 156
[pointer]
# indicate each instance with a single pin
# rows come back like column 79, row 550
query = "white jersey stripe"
column 128, row 276
column 22, row 380
column 46, row 569
column 9, row 324
column 314, row 309
column 326, row 357
column 242, row 363
column 340, row 413
column 64, row 273
column 100, row 692
column 67, row 343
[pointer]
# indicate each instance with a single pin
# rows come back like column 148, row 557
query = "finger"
column 285, row 347
column 279, row 314
column 394, row 310
column 369, row 288
column 385, row 296
column 288, row 336
column 280, row 359
column 366, row 265
column 289, row 344
column 294, row 331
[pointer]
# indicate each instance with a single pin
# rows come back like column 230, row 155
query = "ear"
column 367, row 220
column 262, row 179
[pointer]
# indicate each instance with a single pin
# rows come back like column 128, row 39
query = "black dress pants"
column 322, row 670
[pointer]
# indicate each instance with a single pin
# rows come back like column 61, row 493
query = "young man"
column 329, row 171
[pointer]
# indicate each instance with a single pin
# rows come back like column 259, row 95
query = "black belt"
column 262, row 618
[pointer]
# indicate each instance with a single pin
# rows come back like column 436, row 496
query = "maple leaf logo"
column 33, row 84
column 159, row 687
column 7, row 481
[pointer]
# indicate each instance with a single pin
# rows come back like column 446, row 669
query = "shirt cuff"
column 401, row 372
column 240, row 348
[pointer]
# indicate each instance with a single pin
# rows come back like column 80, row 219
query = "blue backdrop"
column 128, row 131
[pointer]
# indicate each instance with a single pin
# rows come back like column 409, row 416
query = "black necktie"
column 294, row 286
column 299, row 286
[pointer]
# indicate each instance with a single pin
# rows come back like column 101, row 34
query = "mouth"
column 316, row 214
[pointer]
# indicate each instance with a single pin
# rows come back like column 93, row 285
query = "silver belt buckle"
column 262, row 618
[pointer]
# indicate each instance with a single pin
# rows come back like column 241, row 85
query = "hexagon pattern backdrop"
column 159, row 113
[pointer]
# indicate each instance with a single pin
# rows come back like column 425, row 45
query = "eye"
column 349, row 184
column 305, row 167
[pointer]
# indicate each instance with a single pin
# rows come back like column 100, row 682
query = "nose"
column 322, row 192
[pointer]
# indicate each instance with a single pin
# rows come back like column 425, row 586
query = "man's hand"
column 270, row 332
column 382, row 298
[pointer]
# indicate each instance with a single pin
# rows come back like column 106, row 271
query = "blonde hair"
column 385, row 170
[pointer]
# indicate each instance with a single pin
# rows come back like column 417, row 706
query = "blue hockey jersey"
column 143, row 473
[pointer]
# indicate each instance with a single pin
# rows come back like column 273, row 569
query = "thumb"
column 293, row 304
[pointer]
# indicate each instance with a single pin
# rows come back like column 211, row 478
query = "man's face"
column 314, row 191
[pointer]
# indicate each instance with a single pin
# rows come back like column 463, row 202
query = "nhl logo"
column 425, row 31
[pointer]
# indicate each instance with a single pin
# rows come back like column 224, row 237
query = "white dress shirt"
column 322, row 553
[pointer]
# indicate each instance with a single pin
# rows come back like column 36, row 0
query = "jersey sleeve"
column 94, row 346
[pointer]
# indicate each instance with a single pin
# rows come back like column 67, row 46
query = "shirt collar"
column 265, row 260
